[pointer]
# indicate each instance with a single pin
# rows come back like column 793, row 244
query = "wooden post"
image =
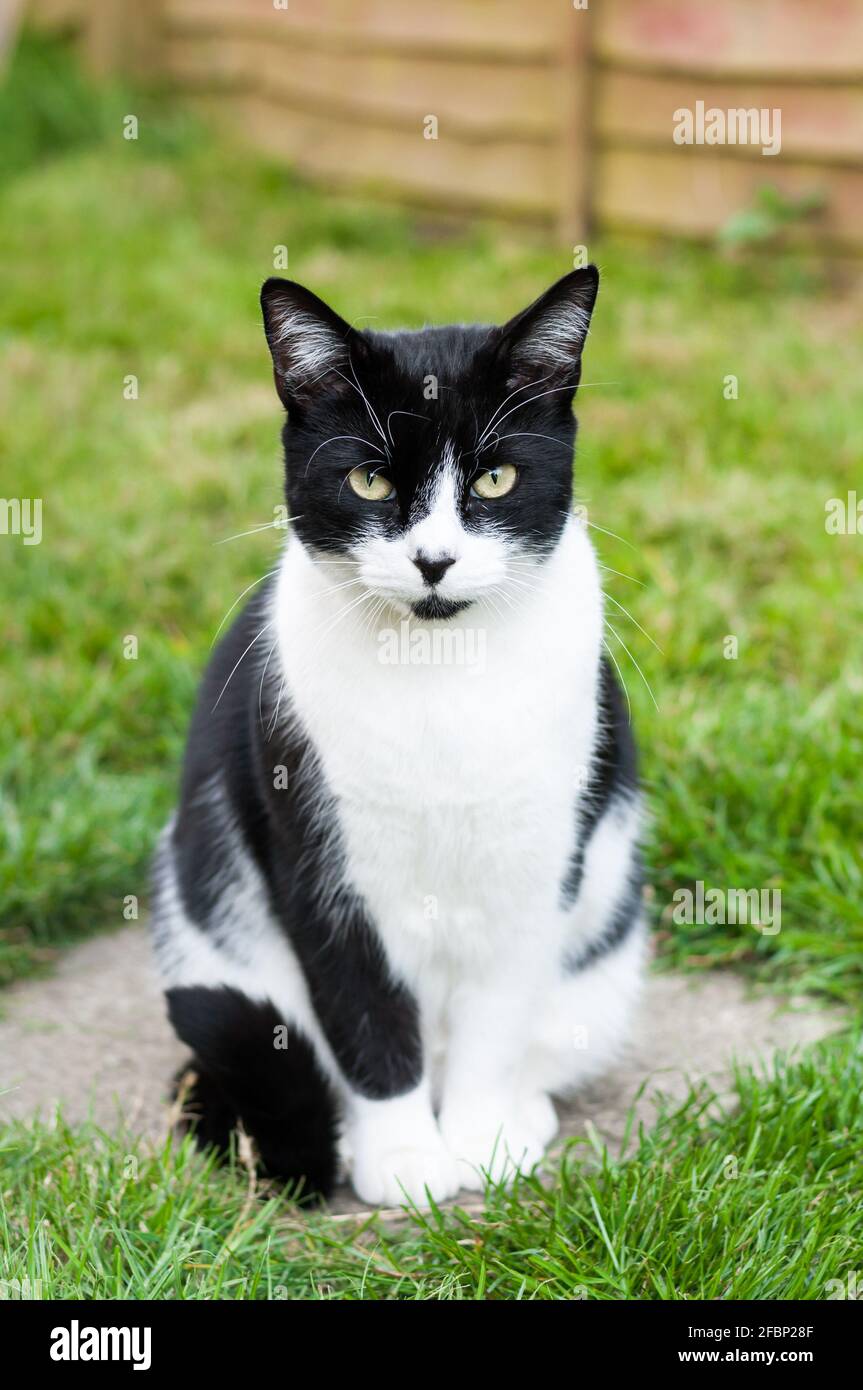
column 10, row 18
column 574, row 208
column 122, row 37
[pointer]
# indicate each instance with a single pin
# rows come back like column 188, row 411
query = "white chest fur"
column 455, row 765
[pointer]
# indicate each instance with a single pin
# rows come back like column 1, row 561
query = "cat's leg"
column 304, row 1027
column 396, row 1150
column 589, row 1013
column 587, row 1019
column 490, row 1122
column 555, row 1013
column 240, row 1004
column 251, row 1069
column 372, row 1026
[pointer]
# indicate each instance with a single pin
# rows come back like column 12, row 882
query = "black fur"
column 278, row 1092
column 615, row 773
column 471, row 371
column 620, row 924
column 371, row 1023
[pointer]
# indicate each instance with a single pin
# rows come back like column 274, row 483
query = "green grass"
column 145, row 258
column 759, row 1199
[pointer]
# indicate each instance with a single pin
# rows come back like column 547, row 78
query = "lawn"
column 761, row 1200
column 136, row 402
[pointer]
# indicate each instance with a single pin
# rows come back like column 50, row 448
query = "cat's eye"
column 371, row 486
column 495, row 482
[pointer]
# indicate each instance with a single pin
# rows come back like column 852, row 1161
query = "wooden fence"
column 536, row 109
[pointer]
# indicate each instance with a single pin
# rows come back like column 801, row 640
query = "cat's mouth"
column 434, row 606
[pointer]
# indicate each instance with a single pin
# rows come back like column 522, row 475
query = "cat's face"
column 437, row 465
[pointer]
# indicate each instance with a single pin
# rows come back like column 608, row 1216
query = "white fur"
column 558, row 338
column 303, row 346
column 386, row 566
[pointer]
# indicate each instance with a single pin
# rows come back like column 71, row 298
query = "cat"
column 399, row 906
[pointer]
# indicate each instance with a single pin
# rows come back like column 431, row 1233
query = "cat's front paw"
column 499, row 1143
column 389, row 1177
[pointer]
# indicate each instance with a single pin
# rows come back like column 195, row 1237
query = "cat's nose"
column 433, row 570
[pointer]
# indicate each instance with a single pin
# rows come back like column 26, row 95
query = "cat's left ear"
column 544, row 342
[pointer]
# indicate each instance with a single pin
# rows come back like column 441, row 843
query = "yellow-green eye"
column 371, row 486
column 495, row 482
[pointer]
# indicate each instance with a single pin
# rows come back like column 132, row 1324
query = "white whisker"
column 365, row 400
column 525, row 387
column 620, row 676
column 521, row 405
column 253, row 585
column 248, row 649
column 612, row 570
column 530, row 434
column 341, row 615
column 267, row 526
column 415, row 415
column 261, row 686
column 334, row 438
column 615, row 633
column 627, row 614
column 605, row 532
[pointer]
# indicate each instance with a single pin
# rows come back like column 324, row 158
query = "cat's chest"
column 453, row 772
column 454, row 788
column 435, row 738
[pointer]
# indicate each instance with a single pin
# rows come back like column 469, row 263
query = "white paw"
column 390, row 1177
column 538, row 1113
column 502, row 1143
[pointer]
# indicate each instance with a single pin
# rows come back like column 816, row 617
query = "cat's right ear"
column 311, row 346
column 545, row 341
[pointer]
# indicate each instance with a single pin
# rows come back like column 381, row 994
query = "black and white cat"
column 400, row 904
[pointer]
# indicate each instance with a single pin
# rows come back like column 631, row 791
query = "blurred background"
column 558, row 112
column 418, row 163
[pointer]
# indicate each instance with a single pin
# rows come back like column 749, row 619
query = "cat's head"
column 437, row 462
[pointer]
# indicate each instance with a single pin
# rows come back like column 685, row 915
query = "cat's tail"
column 253, row 1072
